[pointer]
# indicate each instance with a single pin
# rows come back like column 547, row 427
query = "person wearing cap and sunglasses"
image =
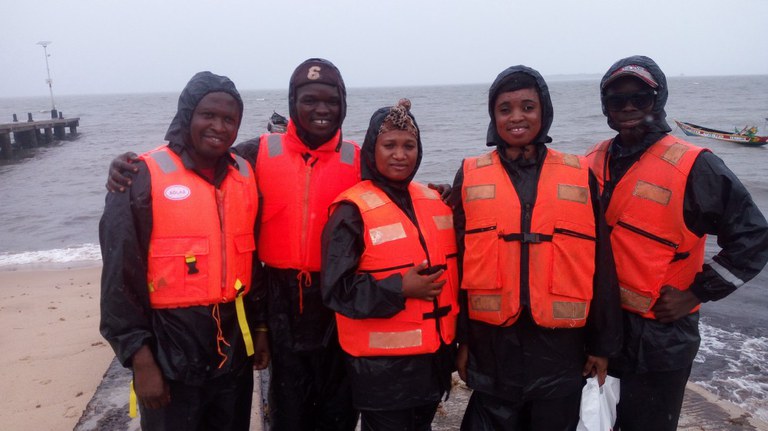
column 662, row 196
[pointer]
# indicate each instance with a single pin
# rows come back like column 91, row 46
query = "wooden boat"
column 745, row 137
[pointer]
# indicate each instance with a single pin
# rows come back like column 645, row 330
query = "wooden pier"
column 32, row 133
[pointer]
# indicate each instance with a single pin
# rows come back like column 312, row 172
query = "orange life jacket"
column 561, row 242
column 651, row 244
column 392, row 246
column 201, row 245
column 297, row 194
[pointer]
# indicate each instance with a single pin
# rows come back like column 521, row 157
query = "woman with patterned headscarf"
column 389, row 273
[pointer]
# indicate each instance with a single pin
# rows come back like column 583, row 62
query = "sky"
column 144, row 46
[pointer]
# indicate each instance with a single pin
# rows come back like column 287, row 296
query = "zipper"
column 223, row 238
column 392, row 268
column 480, row 229
column 573, row 233
column 648, row 235
column 305, row 213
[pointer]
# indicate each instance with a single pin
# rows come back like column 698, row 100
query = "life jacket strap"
column 241, row 320
column 526, row 237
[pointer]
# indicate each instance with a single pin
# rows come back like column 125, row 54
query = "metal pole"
column 48, row 71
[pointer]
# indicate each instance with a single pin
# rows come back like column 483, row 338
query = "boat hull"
column 704, row 132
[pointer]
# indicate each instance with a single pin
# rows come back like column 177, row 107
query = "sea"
column 52, row 196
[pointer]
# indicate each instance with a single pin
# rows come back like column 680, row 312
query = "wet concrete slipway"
column 702, row 411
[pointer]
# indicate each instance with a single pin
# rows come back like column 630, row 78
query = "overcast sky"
column 133, row 46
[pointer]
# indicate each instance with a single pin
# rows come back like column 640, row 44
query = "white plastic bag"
column 598, row 405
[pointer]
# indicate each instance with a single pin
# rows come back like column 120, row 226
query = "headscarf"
column 316, row 71
column 197, row 88
column 398, row 117
column 658, row 122
column 506, row 81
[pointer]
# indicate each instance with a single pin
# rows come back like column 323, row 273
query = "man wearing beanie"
column 662, row 196
column 299, row 173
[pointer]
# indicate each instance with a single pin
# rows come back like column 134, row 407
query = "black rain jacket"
column 715, row 203
column 183, row 340
column 387, row 382
column 525, row 361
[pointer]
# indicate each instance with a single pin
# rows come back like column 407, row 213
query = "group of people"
column 363, row 290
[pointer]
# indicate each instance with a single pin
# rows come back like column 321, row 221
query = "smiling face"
column 629, row 120
column 213, row 128
column 396, row 154
column 517, row 115
column 318, row 108
column 629, row 114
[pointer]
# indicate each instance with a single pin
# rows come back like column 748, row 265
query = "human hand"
column 117, row 181
column 462, row 357
column 151, row 388
column 596, row 366
column 674, row 304
column 443, row 189
column 261, row 353
column 422, row 286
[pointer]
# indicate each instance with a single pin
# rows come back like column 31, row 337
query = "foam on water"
column 86, row 253
column 739, row 371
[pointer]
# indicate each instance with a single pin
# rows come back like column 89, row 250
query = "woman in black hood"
column 539, row 299
column 389, row 273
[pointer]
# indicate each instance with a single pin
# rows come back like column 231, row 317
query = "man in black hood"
column 539, row 300
column 190, row 343
column 662, row 196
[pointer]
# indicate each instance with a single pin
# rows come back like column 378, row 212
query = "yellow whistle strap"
column 241, row 320
column 132, row 402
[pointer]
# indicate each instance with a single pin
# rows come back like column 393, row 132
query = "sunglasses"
column 617, row 102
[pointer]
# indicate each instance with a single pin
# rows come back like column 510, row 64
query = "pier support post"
column 26, row 139
column 5, row 145
column 48, row 135
column 60, row 132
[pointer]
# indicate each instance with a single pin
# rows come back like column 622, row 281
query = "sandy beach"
column 52, row 356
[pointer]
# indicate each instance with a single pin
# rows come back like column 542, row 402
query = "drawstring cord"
column 219, row 335
column 305, row 280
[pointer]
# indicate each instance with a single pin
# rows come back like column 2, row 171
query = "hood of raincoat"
column 320, row 71
column 368, row 152
column 657, row 121
column 198, row 87
column 547, row 113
